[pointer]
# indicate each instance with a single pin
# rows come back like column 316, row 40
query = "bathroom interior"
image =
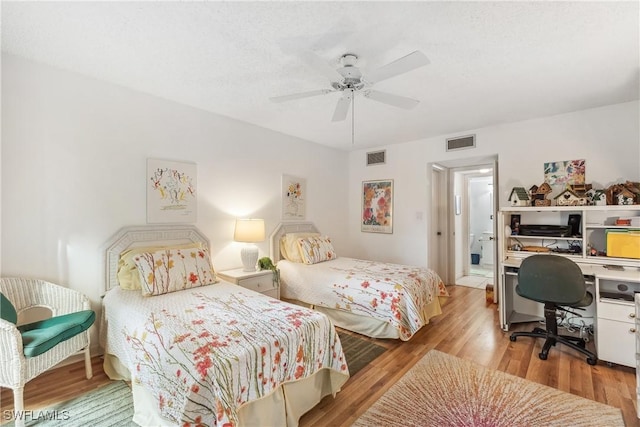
column 478, row 264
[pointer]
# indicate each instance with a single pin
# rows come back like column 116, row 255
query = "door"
column 438, row 229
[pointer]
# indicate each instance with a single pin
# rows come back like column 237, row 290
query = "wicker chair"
column 28, row 350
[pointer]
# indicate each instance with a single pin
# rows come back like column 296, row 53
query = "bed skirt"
column 283, row 407
column 369, row 326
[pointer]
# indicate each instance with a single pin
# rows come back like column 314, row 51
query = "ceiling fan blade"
column 342, row 108
column 391, row 99
column 293, row 96
column 322, row 66
column 405, row 64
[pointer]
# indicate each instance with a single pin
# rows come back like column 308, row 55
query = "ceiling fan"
column 349, row 80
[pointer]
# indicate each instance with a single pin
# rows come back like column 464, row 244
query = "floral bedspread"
column 402, row 295
column 205, row 352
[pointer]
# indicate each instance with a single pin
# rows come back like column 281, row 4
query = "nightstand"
column 259, row 281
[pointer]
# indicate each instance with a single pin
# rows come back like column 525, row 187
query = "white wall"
column 607, row 137
column 74, row 154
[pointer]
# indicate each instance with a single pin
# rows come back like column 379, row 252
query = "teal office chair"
column 557, row 282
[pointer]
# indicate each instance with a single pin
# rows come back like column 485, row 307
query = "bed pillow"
column 289, row 247
column 128, row 277
column 315, row 249
column 171, row 270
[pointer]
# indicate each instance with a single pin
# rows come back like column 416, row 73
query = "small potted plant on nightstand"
column 265, row 263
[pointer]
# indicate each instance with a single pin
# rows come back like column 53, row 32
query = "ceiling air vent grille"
column 376, row 158
column 461, row 143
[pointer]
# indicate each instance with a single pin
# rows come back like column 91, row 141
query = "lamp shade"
column 249, row 230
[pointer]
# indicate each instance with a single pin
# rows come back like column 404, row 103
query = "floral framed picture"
column 377, row 206
column 565, row 172
column 294, row 192
column 171, row 192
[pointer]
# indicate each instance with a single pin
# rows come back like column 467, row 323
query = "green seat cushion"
column 39, row 337
column 7, row 310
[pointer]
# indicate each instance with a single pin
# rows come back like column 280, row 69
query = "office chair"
column 557, row 282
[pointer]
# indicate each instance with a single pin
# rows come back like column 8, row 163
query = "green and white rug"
column 108, row 406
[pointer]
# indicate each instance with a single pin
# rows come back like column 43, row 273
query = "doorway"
column 478, row 267
column 467, row 247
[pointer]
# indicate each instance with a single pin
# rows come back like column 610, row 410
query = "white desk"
column 614, row 318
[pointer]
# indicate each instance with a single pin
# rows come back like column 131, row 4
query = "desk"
column 612, row 314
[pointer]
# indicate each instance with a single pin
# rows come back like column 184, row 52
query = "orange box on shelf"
column 623, row 244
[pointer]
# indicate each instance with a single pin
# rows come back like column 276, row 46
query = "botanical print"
column 565, row 172
column 171, row 191
column 293, row 195
column 204, row 359
column 377, row 205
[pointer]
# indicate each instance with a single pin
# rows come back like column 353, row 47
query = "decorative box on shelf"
column 260, row 281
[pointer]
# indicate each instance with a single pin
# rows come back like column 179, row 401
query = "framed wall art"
column 294, row 192
column 565, row 172
column 377, row 206
column 171, row 192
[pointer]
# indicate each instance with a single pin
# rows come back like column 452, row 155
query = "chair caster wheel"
column 542, row 356
column 512, row 338
column 591, row 361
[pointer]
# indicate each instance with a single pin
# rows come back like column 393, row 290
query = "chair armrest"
column 12, row 359
column 10, row 342
column 64, row 300
column 25, row 293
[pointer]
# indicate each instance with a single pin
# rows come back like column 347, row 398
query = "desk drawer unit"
column 637, row 301
column 616, row 323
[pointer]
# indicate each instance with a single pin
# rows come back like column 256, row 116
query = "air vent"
column 461, row 143
column 376, row 158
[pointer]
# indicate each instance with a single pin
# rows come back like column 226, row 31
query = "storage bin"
column 623, row 244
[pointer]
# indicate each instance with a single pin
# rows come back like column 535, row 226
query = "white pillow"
column 128, row 276
column 289, row 247
column 171, row 270
column 315, row 249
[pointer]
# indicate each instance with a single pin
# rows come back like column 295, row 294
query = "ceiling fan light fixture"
column 350, row 81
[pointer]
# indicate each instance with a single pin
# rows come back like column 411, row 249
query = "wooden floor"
column 468, row 328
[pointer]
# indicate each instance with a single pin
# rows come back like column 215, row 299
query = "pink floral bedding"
column 205, row 352
column 404, row 296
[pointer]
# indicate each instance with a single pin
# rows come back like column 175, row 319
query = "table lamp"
column 249, row 231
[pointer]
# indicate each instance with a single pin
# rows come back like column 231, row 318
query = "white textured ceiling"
column 491, row 62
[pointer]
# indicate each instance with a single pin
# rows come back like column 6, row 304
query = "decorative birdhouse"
column 519, row 197
column 597, row 197
column 570, row 198
column 541, row 195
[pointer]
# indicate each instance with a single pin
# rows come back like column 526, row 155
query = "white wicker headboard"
column 145, row 235
column 284, row 228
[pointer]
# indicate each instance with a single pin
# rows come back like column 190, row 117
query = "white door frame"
column 447, row 256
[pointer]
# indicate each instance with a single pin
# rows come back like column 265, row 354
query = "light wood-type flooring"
column 468, row 328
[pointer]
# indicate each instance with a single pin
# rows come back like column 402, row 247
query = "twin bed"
column 213, row 353
column 200, row 351
column 380, row 300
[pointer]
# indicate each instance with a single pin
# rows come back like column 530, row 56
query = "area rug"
column 108, row 406
column 359, row 352
column 443, row 390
